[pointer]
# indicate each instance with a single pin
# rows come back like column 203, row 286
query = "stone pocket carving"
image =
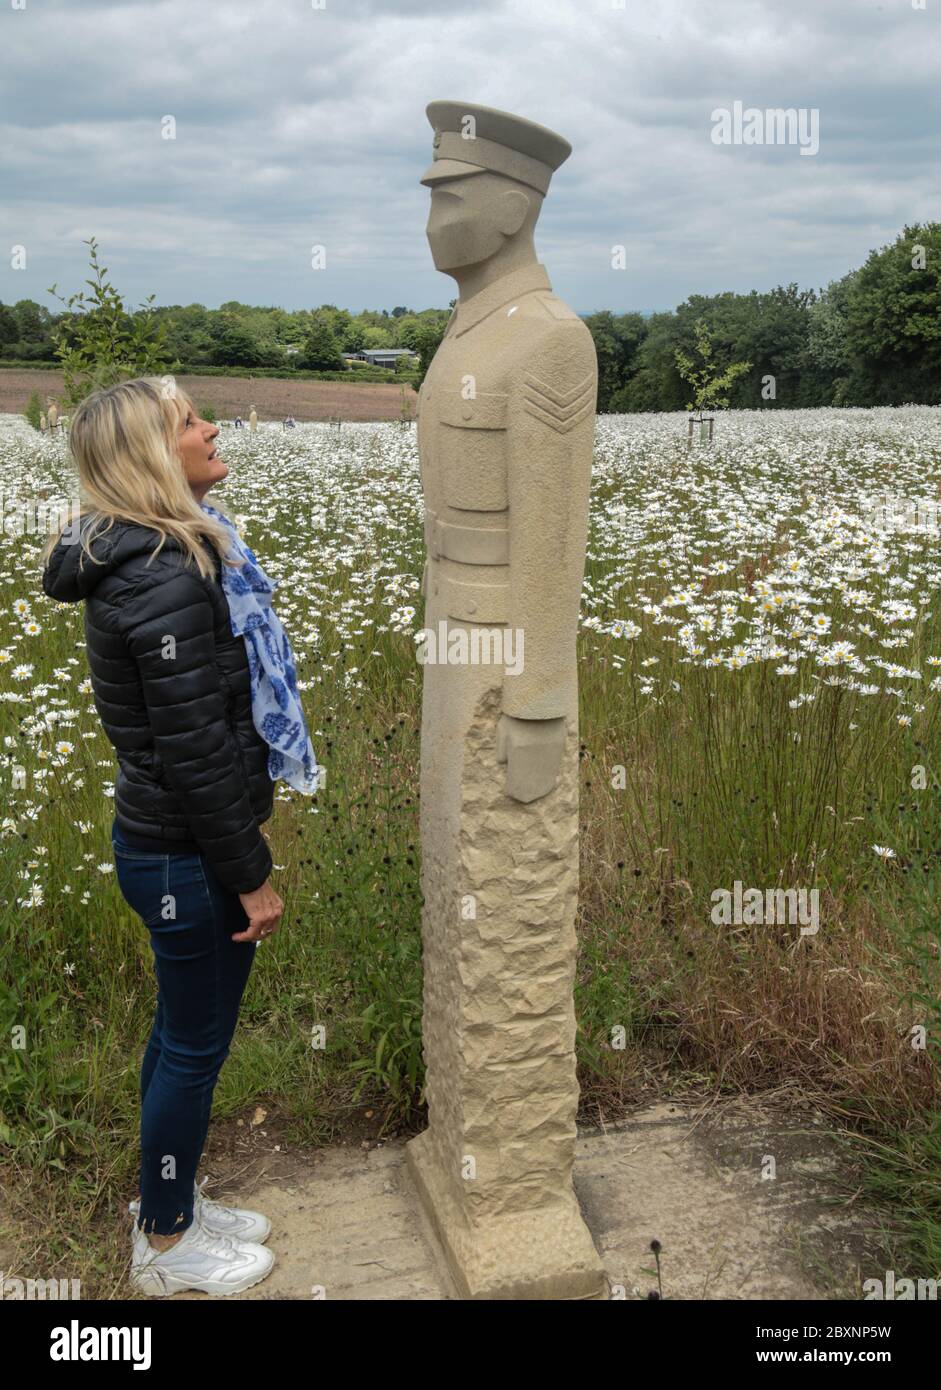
column 480, row 483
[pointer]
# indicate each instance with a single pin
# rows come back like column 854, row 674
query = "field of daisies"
column 760, row 654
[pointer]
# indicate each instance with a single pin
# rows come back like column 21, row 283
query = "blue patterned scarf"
column 276, row 708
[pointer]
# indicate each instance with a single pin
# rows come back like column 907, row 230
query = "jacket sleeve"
column 550, row 419
column 169, row 632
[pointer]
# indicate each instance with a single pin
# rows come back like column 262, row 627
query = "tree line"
column 239, row 335
column 871, row 338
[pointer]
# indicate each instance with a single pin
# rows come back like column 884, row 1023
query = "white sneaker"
column 198, row 1260
column 235, row 1222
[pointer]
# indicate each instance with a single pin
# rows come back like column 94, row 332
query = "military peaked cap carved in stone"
column 470, row 138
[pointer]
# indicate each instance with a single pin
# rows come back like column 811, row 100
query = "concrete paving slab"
column 349, row 1225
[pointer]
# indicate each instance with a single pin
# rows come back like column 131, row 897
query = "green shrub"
column 33, row 410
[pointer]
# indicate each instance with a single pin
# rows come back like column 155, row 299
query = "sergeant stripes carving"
column 560, row 410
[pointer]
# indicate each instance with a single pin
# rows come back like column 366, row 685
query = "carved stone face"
column 472, row 216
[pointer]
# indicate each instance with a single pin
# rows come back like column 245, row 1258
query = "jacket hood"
column 69, row 574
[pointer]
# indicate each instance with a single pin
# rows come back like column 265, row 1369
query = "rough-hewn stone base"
column 543, row 1254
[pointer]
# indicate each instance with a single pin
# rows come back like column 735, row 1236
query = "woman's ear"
column 511, row 211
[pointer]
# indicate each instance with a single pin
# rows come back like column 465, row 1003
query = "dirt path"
column 347, row 1224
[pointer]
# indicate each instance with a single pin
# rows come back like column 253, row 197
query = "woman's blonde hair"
column 123, row 440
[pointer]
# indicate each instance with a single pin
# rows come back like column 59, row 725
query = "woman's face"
column 201, row 464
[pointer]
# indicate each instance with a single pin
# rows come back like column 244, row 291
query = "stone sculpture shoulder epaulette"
column 556, row 308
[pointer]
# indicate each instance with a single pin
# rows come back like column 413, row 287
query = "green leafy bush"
column 33, row 410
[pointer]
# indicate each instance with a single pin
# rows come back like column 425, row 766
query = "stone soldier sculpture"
column 505, row 428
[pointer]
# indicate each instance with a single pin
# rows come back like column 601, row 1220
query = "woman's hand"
column 263, row 908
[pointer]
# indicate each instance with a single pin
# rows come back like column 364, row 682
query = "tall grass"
column 693, row 776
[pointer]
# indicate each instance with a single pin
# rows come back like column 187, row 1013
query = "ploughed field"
column 273, row 397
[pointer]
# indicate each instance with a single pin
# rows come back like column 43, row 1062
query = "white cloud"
column 297, row 126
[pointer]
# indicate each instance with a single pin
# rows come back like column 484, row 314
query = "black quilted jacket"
column 172, row 687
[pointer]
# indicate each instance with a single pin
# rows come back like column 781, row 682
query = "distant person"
column 253, row 420
column 238, row 422
column 289, row 422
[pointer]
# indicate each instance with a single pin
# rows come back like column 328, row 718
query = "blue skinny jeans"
column 201, row 976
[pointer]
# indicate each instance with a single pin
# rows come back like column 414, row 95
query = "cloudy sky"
column 301, row 123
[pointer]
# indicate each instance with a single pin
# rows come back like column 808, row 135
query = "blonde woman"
column 194, row 680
